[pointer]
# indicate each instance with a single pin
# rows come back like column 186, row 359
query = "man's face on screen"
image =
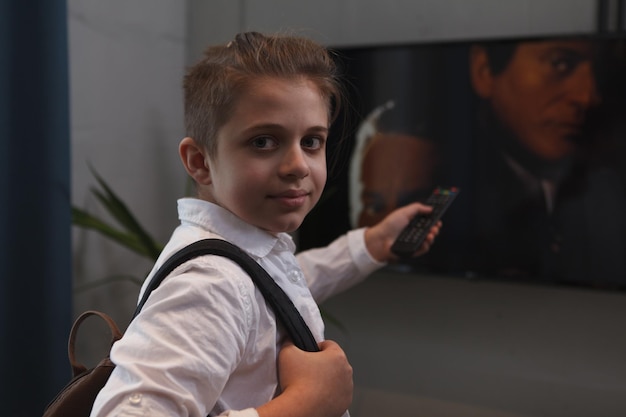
column 544, row 94
column 396, row 169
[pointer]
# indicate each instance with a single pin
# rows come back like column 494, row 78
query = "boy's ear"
column 194, row 158
column 480, row 72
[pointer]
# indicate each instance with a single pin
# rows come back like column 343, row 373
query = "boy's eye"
column 312, row 142
column 264, row 142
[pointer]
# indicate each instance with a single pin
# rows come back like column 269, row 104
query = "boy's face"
column 270, row 165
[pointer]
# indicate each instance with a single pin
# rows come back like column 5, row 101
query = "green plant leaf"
column 118, row 210
column 83, row 219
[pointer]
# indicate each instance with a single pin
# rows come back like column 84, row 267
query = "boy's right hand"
column 320, row 383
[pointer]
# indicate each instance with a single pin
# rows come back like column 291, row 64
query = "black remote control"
column 413, row 235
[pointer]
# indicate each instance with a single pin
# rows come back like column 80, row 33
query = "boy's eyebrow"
column 277, row 126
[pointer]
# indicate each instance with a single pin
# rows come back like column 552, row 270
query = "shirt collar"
column 218, row 220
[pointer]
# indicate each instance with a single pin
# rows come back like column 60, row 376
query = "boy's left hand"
column 381, row 236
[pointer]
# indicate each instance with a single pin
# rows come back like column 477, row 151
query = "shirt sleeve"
column 338, row 266
column 177, row 354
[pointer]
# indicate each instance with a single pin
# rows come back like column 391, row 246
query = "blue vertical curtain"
column 35, row 255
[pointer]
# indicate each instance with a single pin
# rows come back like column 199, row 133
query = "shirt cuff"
column 248, row 412
column 364, row 261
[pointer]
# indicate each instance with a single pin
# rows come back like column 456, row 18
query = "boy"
column 258, row 114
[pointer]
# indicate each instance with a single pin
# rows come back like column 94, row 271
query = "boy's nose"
column 294, row 163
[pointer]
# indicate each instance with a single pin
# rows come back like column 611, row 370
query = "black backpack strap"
column 280, row 302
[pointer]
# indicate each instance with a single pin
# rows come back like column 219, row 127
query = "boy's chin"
column 287, row 227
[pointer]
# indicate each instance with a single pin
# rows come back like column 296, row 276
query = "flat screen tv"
column 533, row 133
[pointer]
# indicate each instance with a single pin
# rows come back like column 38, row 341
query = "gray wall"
column 420, row 345
column 126, row 67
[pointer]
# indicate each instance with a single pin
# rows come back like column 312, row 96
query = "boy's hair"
column 213, row 85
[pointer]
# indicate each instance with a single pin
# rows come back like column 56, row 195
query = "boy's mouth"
column 291, row 198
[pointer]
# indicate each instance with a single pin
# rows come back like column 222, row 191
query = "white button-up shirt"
column 205, row 341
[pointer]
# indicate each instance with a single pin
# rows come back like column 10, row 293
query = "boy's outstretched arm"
column 314, row 384
column 380, row 237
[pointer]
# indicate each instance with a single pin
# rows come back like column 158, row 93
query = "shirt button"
column 294, row 276
column 135, row 399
